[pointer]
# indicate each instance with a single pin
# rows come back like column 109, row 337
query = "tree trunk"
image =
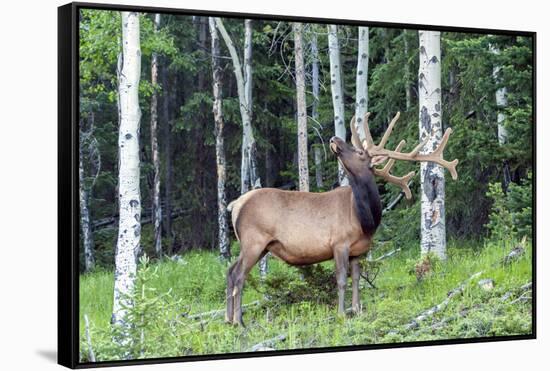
column 157, row 211
column 223, row 229
column 502, row 133
column 314, row 108
column 303, row 168
column 268, row 167
column 248, row 65
column 129, row 229
column 85, row 225
column 88, row 155
column 249, row 173
column 167, row 141
column 201, row 214
column 432, row 179
column 337, row 93
column 407, row 79
column 361, row 85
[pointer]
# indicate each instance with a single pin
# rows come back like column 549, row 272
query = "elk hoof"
column 239, row 323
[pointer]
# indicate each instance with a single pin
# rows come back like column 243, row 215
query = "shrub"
column 511, row 211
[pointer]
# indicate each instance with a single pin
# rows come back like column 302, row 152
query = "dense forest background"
column 171, row 303
column 186, row 123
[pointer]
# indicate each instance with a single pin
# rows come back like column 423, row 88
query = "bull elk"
column 305, row 228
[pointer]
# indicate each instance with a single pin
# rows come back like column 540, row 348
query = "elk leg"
column 355, row 272
column 239, row 274
column 341, row 258
column 229, row 292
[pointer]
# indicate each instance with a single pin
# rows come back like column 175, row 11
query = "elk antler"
column 402, row 181
column 436, row 156
column 368, row 142
column 384, row 173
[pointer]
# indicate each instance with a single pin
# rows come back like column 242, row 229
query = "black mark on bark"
column 430, row 182
column 425, row 120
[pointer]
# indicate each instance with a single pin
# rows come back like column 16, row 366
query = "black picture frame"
column 68, row 202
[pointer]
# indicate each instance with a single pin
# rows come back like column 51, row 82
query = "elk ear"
column 378, row 160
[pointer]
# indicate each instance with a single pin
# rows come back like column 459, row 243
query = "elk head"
column 355, row 161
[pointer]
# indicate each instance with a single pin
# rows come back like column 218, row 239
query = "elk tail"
column 235, row 206
column 231, row 205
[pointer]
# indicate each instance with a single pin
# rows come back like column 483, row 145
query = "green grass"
column 196, row 283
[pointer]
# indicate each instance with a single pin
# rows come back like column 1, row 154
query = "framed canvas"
column 243, row 185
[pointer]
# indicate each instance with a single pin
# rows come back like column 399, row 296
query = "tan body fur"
column 300, row 228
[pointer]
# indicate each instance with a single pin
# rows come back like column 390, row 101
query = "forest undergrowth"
column 480, row 291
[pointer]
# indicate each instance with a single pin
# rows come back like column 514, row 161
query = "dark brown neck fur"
column 367, row 202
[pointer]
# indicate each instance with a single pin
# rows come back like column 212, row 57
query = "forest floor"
column 409, row 303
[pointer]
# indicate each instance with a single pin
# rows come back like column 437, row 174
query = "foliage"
column 511, row 212
column 314, row 284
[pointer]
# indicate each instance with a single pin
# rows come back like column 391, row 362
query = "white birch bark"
column 432, row 180
column 249, row 174
column 129, row 229
column 223, row 228
column 88, row 154
column 157, row 211
column 501, row 101
column 303, row 168
column 337, row 92
column 248, row 65
column 85, row 225
column 314, row 107
column 361, row 83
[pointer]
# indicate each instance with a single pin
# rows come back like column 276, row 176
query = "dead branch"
column 217, row 312
column 441, row 306
column 524, row 297
column 396, row 200
column 514, row 255
column 444, row 321
column 111, row 222
column 387, row 255
column 267, row 344
column 523, row 291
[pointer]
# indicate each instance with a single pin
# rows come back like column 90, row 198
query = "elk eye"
column 361, row 153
